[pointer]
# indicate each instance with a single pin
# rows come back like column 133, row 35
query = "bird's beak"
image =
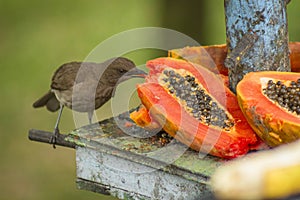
column 133, row 73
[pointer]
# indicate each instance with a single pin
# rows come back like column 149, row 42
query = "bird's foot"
column 54, row 137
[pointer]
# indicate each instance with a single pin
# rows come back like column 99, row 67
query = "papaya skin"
column 168, row 112
column 273, row 124
column 212, row 57
column 295, row 56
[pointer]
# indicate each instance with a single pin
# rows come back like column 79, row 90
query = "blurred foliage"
column 202, row 20
column 293, row 17
column 38, row 36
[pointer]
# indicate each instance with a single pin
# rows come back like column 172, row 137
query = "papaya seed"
column 285, row 95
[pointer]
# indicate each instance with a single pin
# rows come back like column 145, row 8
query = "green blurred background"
column 38, row 36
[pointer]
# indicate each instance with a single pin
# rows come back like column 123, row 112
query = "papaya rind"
column 212, row 57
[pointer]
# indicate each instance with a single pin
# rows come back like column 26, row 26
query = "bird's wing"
column 103, row 94
column 65, row 76
column 74, row 73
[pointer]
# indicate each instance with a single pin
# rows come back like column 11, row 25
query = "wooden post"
column 257, row 37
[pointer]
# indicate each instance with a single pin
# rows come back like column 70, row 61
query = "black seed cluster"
column 286, row 96
column 199, row 104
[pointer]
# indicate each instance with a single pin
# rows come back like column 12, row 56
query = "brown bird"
column 85, row 86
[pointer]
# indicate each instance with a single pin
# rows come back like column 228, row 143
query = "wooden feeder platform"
column 115, row 157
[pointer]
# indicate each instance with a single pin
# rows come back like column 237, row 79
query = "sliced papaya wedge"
column 192, row 104
column 271, row 103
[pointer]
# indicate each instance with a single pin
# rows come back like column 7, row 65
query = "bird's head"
column 121, row 69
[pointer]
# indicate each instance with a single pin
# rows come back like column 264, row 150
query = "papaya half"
column 271, row 103
column 193, row 105
column 212, row 57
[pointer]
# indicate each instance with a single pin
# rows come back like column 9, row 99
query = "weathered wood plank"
column 129, row 162
column 125, row 178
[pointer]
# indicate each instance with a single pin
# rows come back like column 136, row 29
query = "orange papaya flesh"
column 186, row 129
column 212, row 57
column 142, row 118
column 270, row 115
column 176, row 118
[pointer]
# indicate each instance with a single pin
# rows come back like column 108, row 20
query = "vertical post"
column 257, row 37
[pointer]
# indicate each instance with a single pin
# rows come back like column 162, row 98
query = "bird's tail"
column 49, row 100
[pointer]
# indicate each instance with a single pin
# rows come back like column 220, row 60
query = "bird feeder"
column 117, row 159
column 111, row 161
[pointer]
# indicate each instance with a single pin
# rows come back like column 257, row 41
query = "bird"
column 85, row 87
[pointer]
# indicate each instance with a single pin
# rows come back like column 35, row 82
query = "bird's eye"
column 122, row 71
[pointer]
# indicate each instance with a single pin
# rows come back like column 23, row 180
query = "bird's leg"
column 90, row 116
column 56, row 130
